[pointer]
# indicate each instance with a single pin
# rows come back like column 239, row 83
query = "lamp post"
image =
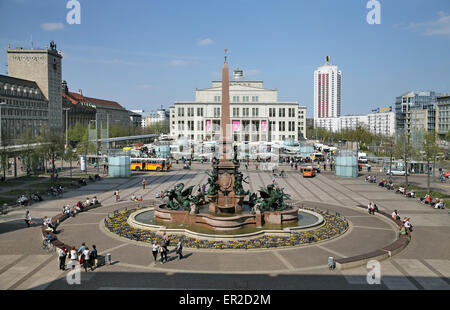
column 66, row 145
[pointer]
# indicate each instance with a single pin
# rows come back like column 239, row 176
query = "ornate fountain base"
column 226, row 223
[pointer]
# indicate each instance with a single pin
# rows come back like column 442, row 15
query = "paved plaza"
column 423, row 264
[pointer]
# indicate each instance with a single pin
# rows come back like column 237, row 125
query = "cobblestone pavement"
column 424, row 264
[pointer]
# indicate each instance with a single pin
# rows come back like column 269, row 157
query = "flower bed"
column 334, row 226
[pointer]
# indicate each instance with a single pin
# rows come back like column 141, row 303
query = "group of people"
column 371, row 179
column 405, row 226
column 162, row 249
column 388, row 185
column 372, row 208
column 85, row 257
column 436, row 203
column 404, row 192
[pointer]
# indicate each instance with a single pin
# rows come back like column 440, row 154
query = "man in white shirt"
column 62, row 258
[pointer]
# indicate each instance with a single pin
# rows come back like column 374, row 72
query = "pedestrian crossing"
column 406, row 274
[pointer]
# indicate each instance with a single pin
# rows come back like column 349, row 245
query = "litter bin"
column 108, row 258
column 331, row 263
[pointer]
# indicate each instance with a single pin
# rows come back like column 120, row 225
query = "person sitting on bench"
column 440, row 204
column 94, row 200
column 395, row 215
column 48, row 223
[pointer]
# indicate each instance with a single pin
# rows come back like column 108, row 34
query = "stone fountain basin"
column 225, row 223
column 220, row 223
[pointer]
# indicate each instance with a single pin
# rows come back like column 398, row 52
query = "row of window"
column 237, row 111
column 237, row 98
column 23, row 112
column 30, row 93
column 246, row 126
column 27, row 104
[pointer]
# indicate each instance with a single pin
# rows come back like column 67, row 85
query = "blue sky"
column 145, row 54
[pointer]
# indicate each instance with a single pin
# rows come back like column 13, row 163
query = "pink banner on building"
column 263, row 125
column 236, row 125
column 208, row 125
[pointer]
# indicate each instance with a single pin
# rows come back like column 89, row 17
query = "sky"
column 148, row 54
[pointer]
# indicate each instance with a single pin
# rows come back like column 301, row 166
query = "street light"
column 67, row 112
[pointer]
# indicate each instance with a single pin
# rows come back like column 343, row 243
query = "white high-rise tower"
column 327, row 91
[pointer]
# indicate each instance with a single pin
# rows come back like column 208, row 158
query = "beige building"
column 255, row 114
column 42, row 66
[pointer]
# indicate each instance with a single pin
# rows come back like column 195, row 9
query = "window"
column 216, row 98
column 216, row 112
column 180, row 111
column 199, row 111
column 255, row 112
column 281, row 126
column 281, row 112
column 190, row 112
column 245, row 99
column 236, row 112
column 235, row 98
column 254, row 98
column 245, row 112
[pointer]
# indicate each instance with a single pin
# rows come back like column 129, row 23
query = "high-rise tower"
column 327, row 91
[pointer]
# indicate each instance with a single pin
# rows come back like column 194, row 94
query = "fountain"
column 225, row 199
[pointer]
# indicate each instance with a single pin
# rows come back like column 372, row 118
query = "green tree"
column 52, row 146
column 430, row 152
column 28, row 154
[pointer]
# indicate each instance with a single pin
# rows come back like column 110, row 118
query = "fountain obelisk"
column 226, row 200
column 225, row 120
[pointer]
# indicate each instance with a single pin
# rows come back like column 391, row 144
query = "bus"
column 150, row 164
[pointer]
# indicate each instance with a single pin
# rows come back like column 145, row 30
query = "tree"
column 70, row 155
column 29, row 156
column 402, row 150
column 52, row 146
column 429, row 152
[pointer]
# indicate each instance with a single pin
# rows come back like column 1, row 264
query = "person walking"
column 143, row 184
column 180, row 249
column 93, row 257
column 28, row 218
column 62, row 254
column 116, row 193
column 163, row 252
column 166, row 241
column 73, row 257
column 86, row 258
column 155, row 249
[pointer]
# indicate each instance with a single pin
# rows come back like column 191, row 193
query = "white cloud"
column 205, row 42
column 441, row 26
column 180, row 62
column 52, row 26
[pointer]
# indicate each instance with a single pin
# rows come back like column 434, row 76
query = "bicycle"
column 48, row 246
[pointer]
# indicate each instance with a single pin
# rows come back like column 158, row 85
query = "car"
column 397, row 172
column 447, row 174
column 308, row 172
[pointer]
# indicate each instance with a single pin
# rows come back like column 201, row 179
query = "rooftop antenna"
column 328, row 60
column 225, row 49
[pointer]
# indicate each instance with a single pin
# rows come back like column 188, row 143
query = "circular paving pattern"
column 333, row 226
